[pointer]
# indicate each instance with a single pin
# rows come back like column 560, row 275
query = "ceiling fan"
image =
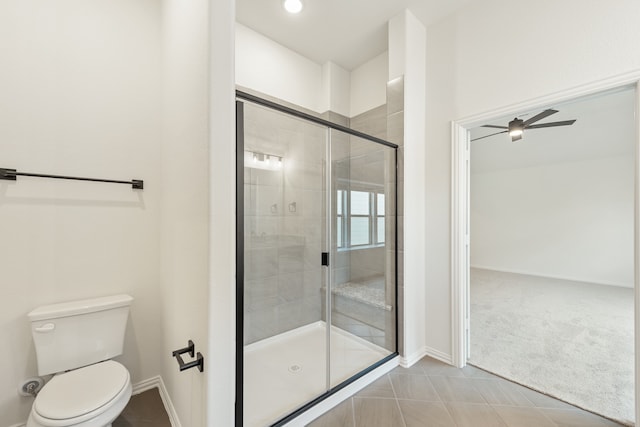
column 517, row 126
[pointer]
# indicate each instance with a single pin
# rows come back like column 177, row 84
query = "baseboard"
column 572, row 279
column 164, row 395
column 147, row 384
column 408, row 361
column 439, row 355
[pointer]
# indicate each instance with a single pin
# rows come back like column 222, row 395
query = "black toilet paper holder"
column 199, row 362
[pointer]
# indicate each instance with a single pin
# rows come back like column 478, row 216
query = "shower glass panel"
column 317, row 266
column 363, row 297
column 284, row 236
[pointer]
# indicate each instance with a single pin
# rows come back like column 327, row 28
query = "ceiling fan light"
column 516, row 129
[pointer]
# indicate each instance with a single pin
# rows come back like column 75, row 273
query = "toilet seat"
column 83, row 394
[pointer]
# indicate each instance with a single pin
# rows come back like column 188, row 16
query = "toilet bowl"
column 75, row 341
column 92, row 396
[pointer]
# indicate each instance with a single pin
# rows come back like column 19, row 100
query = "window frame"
column 343, row 242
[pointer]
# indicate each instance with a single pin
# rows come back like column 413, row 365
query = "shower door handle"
column 325, row 258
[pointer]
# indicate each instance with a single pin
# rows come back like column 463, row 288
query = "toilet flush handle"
column 47, row 327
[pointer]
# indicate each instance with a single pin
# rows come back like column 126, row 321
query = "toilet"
column 75, row 341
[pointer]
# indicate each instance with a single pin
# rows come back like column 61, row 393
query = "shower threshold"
column 284, row 372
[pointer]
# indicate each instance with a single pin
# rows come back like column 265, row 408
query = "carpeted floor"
column 571, row 340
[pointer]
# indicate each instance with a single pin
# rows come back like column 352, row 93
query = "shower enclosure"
column 316, row 259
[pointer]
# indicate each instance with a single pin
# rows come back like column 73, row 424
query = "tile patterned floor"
column 434, row 394
column 430, row 393
column 144, row 409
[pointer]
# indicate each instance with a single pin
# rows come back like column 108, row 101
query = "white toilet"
column 75, row 340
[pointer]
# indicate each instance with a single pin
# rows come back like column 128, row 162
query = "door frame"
column 460, row 224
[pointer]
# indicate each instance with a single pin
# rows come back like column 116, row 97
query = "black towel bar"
column 11, row 174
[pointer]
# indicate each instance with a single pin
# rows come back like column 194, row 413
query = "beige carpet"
column 571, row 340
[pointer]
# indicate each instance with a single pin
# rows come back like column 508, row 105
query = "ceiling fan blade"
column 540, row 116
column 487, row 136
column 552, row 124
column 494, row 126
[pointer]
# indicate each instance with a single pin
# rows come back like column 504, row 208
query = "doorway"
column 491, row 272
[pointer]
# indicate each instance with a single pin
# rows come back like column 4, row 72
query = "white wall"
column 185, row 201
column 369, row 84
column 407, row 57
column 268, row 67
column 80, row 85
column 335, row 91
column 471, row 71
column 569, row 220
column 262, row 64
column 222, row 311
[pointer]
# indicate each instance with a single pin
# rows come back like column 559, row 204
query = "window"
column 380, row 218
column 360, row 218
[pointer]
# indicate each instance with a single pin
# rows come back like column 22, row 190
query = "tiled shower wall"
column 376, row 265
column 283, row 277
column 368, row 263
column 284, row 225
column 385, row 122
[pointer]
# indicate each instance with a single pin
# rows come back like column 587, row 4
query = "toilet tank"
column 73, row 334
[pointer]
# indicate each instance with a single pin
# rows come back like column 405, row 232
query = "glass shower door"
column 285, row 232
column 317, row 260
column 362, row 298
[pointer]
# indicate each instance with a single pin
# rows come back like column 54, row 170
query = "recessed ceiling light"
column 292, row 6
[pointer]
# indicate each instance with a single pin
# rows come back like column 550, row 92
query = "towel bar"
column 11, row 174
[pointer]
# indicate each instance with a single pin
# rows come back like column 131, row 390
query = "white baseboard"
column 439, row 355
column 164, row 395
column 145, row 385
column 342, row 395
column 408, row 361
column 548, row 276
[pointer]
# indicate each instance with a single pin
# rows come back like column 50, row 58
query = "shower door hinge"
column 325, row 258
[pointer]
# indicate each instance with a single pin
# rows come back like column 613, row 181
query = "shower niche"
column 316, row 259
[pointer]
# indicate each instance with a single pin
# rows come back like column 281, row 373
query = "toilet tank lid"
column 72, row 308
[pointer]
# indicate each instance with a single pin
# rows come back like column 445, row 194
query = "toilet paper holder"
column 190, row 348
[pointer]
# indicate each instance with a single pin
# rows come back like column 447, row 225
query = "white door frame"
column 460, row 173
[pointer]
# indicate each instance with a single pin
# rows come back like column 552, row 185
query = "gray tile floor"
column 430, row 393
column 144, row 409
column 434, row 394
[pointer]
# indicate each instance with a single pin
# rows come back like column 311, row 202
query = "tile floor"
column 432, row 393
column 144, row 409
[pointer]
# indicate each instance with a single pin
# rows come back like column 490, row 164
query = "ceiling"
column 347, row 32
column 604, row 127
column 351, row 32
